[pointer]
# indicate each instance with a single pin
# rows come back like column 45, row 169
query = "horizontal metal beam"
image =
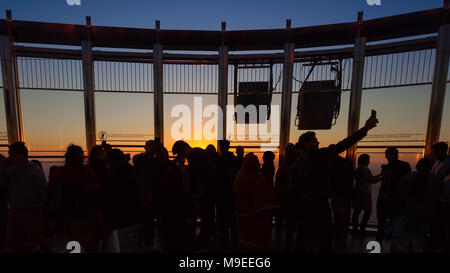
column 170, row 58
column 411, row 24
column 388, row 146
column 255, row 147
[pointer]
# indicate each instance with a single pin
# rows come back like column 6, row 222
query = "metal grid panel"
column 191, row 78
column 123, row 77
column 256, row 71
column 399, row 69
column 322, row 71
column 50, row 74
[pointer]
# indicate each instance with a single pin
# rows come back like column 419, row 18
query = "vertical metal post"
column 438, row 88
column 356, row 88
column 9, row 91
column 286, row 93
column 11, row 87
column 158, row 86
column 89, row 96
column 235, row 82
column 223, row 86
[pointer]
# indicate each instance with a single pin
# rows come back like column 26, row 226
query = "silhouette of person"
column 440, row 157
column 363, row 193
column 106, row 147
column 3, row 203
column 145, row 168
column 212, row 153
column 283, row 190
column 187, row 198
column 255, row 205
column 446, row 207
column 26, row 183
column 200, row 184
column 343, row 174
column 73, row 204
column 239, row 156
column 122, row 199
column 225, row 173
column 97, row 163
column 268, row 167
column 440, row 235
column 391, row 175
column 311, row 180
column 37, row 163
column 418, row 194
column 172, row 222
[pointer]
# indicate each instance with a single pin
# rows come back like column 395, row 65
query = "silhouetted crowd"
column 216, row 201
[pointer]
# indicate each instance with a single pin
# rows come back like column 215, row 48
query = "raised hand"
column 371, row 123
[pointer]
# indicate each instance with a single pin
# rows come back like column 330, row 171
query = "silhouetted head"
column 210, row 149
column 156, row 148
column 224, row 146
column 240, row 151
column 52, row 170
column 308, row 142
column 391, row 154
column 180, row 147
column 106, row 147
column 162, row 155
column 439, row 151
column 1, row 157
column 74, row 156
column 37, row 163
column 364, row 160
column 290, row 151
column 97, row 153
column 268, row 157
column 424, row 165
column 148, row 145
column 18, row 153
column 298, row 147
column 251, row 163
column 115, row 160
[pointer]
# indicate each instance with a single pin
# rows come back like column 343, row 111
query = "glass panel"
column 124, row 119
column 402, row 112
column 53, row 120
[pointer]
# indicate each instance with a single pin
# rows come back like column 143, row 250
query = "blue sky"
column 201, row 14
